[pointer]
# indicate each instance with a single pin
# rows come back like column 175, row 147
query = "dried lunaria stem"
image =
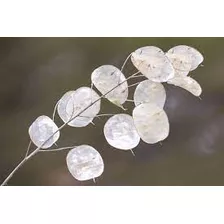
column 148, row 122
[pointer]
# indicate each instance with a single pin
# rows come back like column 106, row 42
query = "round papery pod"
column 151, row 122
column 188, row 56
column 153, row 63
column 181, row 63
column 105, row 78
column 120, row 132
column 150, row 92
column 186, row 83
column 84, row 163
column 73, row 102
column 41, row 130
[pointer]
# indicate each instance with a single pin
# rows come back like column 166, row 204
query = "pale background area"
column 36, row 72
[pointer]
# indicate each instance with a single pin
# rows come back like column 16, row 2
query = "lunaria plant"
column 120, row 132
column 84, row 162
column 147, row 121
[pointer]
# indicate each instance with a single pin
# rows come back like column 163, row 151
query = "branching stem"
column 125, row 62
column 56, row 150
column 38, row 149
column 28, row 148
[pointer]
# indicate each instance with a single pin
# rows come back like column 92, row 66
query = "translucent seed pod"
column 150, row 92
column 84, row 163
column 41, row 130
column 186, row 83
column 153, row 63
column 185, row 58
column 120, row 132
column 151, row 122
column 105, row 78
column 181, row 63
column 73, row 102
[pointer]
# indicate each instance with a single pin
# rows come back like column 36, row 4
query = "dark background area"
column 36, row 72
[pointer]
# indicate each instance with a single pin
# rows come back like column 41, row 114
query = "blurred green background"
column 36, row 72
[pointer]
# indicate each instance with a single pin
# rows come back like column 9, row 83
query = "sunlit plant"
column 147, row 122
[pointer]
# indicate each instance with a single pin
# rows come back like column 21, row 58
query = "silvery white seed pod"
column 150, row 92
column 153, row 63
column 105, row 78
column 151, row 122
column 84, row 163
column 73, row 102
column 120, row 132
column 41, row 129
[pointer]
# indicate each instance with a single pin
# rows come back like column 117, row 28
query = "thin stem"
column 98, row 116
column 28, row 148
column 134, row 84
column 56, row 150
column 125, row 62
column 139, row 75
column 29, row 156
column 92, row 123
column 91, row 92
column 14, row 170
column 103, row 115
column 135, row 75
column 132, row 152
column 60, row 128
column 55, row 108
